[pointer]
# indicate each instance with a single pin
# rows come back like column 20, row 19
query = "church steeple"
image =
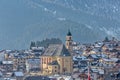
column 69, row 40
column 69, row 33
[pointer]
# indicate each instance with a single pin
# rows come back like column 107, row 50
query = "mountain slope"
column 22, row 21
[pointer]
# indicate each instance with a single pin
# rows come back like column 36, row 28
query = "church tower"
column 69, row 41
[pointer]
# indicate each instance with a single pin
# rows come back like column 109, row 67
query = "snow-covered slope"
column 22, row 21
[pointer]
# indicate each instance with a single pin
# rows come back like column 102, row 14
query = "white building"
column 33, row 65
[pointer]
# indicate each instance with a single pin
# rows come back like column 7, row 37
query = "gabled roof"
column 65, row 52
column 7, row 62
column 56, row 50
column 18, row 74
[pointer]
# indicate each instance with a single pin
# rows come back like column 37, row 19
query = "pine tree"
column 32, row 44
column 106, row 39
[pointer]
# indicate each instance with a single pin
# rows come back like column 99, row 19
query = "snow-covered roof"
column 110, row 60
column 33, row 61
column 18, row 74
column 95, row 50
column 37, row 48
column 107, row 60
column 94, row 56
column 102, row 55
column 114, row 59
column 81, row 57
column 79, row 52
column 94, row 70
column 74, row 58
column 65, row 78
column 97, row 45
column 101, row 71
column 8, row 51
column 1, row 73
column 7, row 62
column 2, row 56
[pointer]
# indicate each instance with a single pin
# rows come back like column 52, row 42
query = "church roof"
column 56, row 50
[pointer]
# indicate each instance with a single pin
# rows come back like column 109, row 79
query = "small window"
column 59, row 59
column 55, row 67
column 55, row 70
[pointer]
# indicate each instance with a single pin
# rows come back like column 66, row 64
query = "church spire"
column 69, row 33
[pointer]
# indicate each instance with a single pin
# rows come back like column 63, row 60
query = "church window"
column 55, row 70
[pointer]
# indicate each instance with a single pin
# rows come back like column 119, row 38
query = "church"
column 57, row 58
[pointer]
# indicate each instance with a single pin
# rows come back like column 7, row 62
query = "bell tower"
column 69, row 41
